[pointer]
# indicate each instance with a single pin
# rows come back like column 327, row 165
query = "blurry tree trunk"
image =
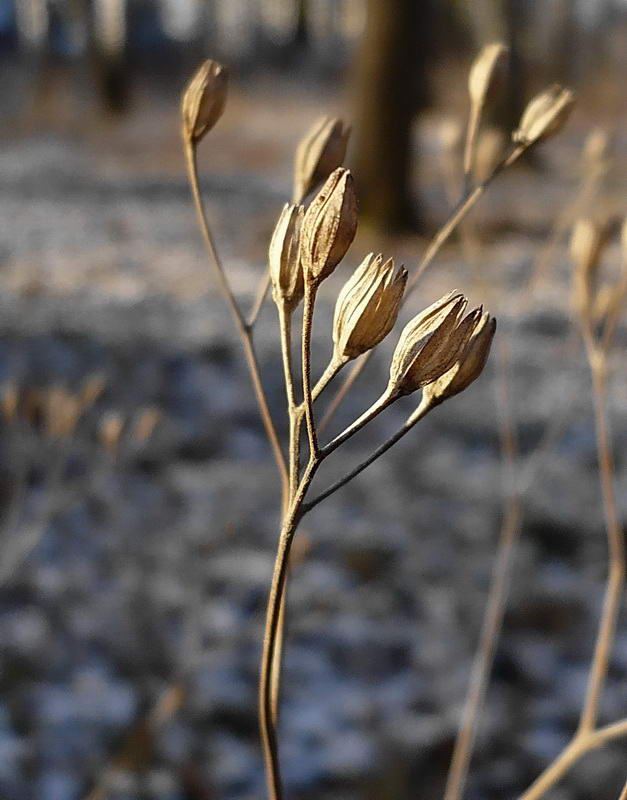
column 109, row 57
column 390, row 89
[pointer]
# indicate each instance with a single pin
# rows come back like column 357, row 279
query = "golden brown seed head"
column 145, row 424
column 430, row 344
column 329, row 226
column 9, row 399
column 451, row 135
column 487, row 73
column 587, row 243
column 545, row 115
column 367, row 306
column 62, row 411
column 286, row 271
column 470, row 363
column 321, row 151
column 110, row 430
column 596, row 148
column 92, row 389
column 204, row 100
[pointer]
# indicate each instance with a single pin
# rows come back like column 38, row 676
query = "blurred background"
column 139, row 497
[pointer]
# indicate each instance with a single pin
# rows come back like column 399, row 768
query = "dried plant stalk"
column 587, row 735
column 440, row 351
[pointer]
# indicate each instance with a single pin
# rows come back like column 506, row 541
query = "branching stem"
column 244, row 329
column 468, row 201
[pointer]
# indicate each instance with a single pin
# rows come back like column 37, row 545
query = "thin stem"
column 499, row 584
column 616, row 577
column 484, row 657
column 244, row 330
column 308, row 310
column 422, row 410
column 271, row 634
column 470, row 145
column 586, row 737
column 260, row 297
column 582, row 743
column 285, row 328
column 386, row 399
column 467, row 202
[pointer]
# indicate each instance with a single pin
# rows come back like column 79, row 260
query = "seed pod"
column 329, row 226
column 451, row 135
column 469, row 365
column 596, row 148
column 487, row 72
column 286, row 272
column 110, row 430
column 9, row 401
column 545, row 115
column 429, row 344
column 144, row 424
column 586, row 246
column 367, row 306
column 62, row 412
column 92, row 389
column 204, row 100
column 320, row 152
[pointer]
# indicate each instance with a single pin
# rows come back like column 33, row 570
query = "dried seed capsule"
column 110, row 430
column 329, row 226
column 286, row 271
column 367, row 306
column 204, row 100
column 9, row 401
column 487, row 72
column 596, row 148
column 470, row 363
column 545, row 115
column 144, row 424
column 586, row 246
column 62, row 412
column 320, row 152
column 92, row 389
column 451, row 135
column 430, row 344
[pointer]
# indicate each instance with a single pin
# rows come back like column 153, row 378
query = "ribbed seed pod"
column 470, row 363
column 596, row 148
column 545, row 115
column 329, row 226
column 430, row 344
column 204, row 100
column 487, row 72
column 367, row 306
column 320, row 151
column 286, row 272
